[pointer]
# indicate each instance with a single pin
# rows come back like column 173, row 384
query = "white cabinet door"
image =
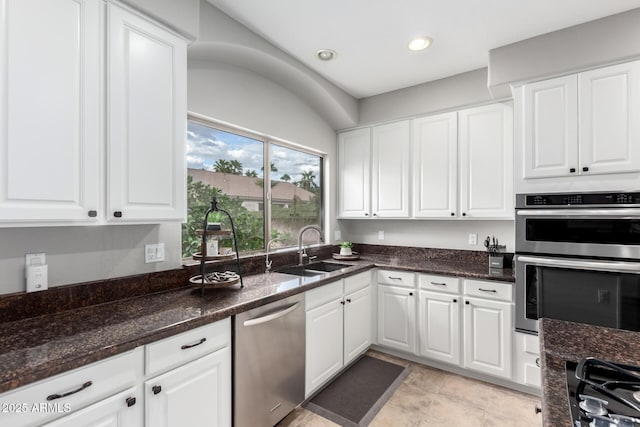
column 323, row 344
column 486, row 161
column 354, row 173
column 439, row 326
column 390, row 170
column 121, row 410
column 550, row 130
column 50, row 130
column 487, row 336
column 147, row 120
column 396, row 318
column 608, row 119
column 357, row 323
column 527, row 359
column 435, row 166
column 196, row 394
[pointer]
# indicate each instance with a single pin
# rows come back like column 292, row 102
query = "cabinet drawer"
column 82, row 387
column 439, row 283
column 357, row 282
column 490, row 290
column 182, row 348
column 322, row 295
column 396, row 278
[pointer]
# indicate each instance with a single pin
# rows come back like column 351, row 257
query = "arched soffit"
column 339, row 109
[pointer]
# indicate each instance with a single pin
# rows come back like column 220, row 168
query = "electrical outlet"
column 380, row 234
column 473, row 238
column 154, row 253
column 36, row 272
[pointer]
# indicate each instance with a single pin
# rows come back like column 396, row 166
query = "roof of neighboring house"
column 247, row 188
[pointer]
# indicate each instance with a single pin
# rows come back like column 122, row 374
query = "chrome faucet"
column 267, row 263
column 304, row 258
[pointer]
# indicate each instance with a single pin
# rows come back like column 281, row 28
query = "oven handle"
column 581, row 213
column 613, row 266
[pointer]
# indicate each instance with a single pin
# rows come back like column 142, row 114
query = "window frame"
column 267, row 142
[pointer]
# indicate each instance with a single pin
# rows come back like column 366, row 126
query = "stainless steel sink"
column 313, row 269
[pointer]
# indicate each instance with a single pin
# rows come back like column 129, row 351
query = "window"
column 232, row 166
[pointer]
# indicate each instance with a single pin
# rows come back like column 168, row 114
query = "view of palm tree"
column 231, row 166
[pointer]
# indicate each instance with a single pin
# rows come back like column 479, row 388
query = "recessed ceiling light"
column 326, row 54
column 420, row 43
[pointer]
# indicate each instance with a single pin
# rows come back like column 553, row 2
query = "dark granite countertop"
column 562, row 341
column 35, row 348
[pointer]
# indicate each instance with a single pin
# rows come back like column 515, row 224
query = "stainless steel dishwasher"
column 269, row 358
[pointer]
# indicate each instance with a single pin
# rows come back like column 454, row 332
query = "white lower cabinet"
column 78, row 397
column 469, row 327
column 338, row 327
column 198, row 393
column 439, row 326
column 191, row 383
column 527, row 359
column 396, row 311
column 120, row 410
column 487, row 336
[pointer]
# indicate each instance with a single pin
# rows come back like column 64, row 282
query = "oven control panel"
column 577, row 199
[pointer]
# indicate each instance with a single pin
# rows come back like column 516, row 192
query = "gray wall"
column 80, row 254
column 439, row 95
column 603, row 41
column 181, row 15
column 428, row 233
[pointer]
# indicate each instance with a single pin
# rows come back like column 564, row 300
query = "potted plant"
column 345, row 248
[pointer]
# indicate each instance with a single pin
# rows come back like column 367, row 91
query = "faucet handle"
column 268, row 265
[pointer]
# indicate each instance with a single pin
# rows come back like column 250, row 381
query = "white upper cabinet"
column 609, row 125
column 50, row 132
column 550, row 132
column 486, row 161
column 584, row 124
column 435, row 165
column 147, row 120
column 354, row 166
column 390, row 170
column 354, row 170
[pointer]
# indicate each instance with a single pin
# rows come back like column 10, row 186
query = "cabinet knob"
column 572, row 170
column 467, row 302
column 375, row 214
column 538, row 362
column 464, row 214
column 117, row 214
column 349, row 300
column 156, row 389
column 342, row 302
column 455, row 300
column 410, row 294
column 92, row 213
column 453, row 214
column 585, row 169
column 538, row 409
column 130, row 401
column 366, row 214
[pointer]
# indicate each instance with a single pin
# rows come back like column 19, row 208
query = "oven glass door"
column 603, row 293
column 598, row 233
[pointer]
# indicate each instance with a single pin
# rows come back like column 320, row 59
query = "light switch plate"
column 154, row 253
column 473, row 238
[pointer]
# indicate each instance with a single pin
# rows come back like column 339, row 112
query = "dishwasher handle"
column 270, row 317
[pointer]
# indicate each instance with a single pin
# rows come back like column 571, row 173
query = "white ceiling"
column 371, row 36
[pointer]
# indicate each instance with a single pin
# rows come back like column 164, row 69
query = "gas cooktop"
column 603, row 394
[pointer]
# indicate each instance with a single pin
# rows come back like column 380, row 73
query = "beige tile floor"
column 431, row 397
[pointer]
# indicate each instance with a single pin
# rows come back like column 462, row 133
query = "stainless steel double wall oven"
column 578, row 259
